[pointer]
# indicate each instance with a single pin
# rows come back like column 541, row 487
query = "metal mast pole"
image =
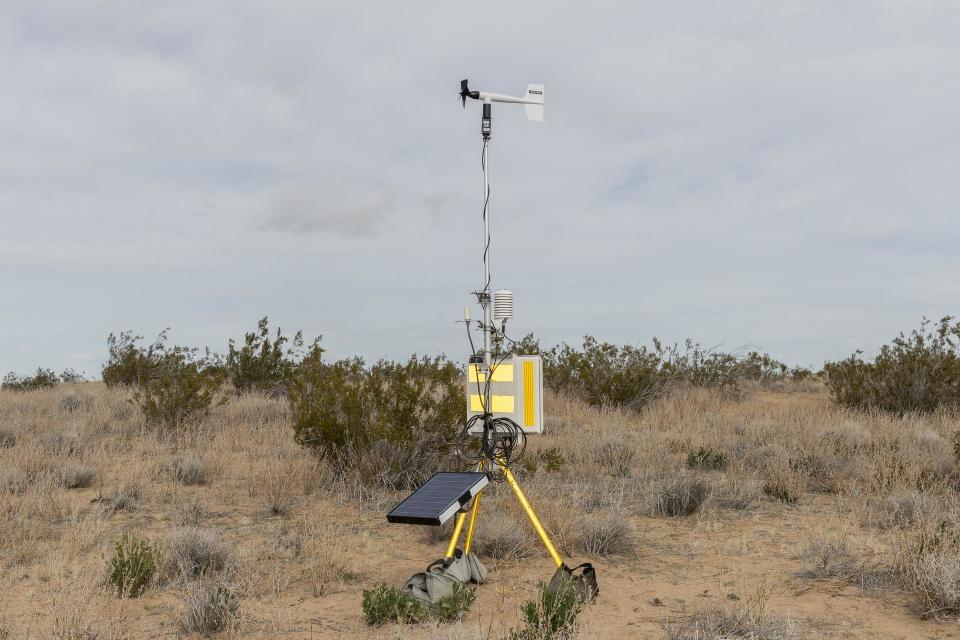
column 485, row 294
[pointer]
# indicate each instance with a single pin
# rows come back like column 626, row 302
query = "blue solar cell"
column 439, row 498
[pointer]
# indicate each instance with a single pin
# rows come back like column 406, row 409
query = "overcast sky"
column 775, row 174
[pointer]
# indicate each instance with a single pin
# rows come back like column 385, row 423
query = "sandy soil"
column 713, row 559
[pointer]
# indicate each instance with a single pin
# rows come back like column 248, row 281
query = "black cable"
column 502, row 440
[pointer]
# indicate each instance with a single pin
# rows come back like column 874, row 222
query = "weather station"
column 504, row 400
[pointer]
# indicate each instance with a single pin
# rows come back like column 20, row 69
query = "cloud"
column 328, row 208
column 747, row 172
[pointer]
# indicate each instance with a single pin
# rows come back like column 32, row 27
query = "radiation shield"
column 516, row 392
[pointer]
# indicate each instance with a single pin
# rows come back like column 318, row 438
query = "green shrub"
column 553, row 616
column 915, row 373
column 132, row 567
column 42, row 379
column 604, row 374
column 706, row 458
column 180, row 389
column 130, row 364
column 385, row 603
column 262, row 364
column 393, row 421
column 70, row 376
column 452, row 608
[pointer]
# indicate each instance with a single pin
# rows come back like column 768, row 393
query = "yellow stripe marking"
column 501, row 404
column 501, row 373
column 529, row 409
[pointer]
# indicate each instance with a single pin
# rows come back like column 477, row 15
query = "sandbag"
column 441, row 575
column 584, row 583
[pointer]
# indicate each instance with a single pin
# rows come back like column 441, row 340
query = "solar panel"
column 439, row 498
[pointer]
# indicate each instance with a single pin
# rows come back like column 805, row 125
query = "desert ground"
column 799, row 520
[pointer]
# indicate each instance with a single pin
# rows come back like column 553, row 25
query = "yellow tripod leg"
column 530, row 514
column 473, row 524
column 458, row 527
column 456, row 534
column 474, row 510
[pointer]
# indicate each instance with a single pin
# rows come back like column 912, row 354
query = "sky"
column 772, row 175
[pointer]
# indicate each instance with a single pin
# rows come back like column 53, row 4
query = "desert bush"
column 940, row 583
column 453, row 607
column 829, row 557
column 706, row 458
column 8, row 439
column 615, row 453
column 552, row 616
column 74, row 475
column 208, row 608
column 502, row 537
column 823, row 471
column 919, row 372
column 728, row 624
column 14, row 480
column 601, row 534
column 278, row 492
column 132, row 567
column 129, row 363
column 738, row 492
column 605, row 375
column 678, row 494
column 74, row 401
column 262, row 364
column 783, row 480
column 189, row 552
column 180, row 389
column 928, row 560
column 846, row 438
column 187, row 470
column 322, row 554
column 551, row 460
column 42, row 379
column 385, row 603
column 407, row 412
column 63, row 443
column 899, row 509
column 191, row 513
column 126, row 497
column 71, row 376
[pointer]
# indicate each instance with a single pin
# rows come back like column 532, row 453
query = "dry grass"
column 207, row 609
column 726, row 624
column 830, row 557
column 189, row 552
column 187, row 470
column 235, row 501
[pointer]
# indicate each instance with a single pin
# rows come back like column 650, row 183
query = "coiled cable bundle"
column 502, row 440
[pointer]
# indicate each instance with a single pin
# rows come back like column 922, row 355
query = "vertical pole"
column 485, row 128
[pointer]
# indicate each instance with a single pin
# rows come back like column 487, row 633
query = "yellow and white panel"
column 516, row 389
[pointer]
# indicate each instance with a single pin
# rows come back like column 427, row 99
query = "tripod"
column 475, row 511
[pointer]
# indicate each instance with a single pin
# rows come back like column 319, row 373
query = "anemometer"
column 504, row 395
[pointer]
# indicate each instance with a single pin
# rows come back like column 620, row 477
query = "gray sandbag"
column 441, row 575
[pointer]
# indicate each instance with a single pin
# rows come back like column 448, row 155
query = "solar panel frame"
column 439, row 498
